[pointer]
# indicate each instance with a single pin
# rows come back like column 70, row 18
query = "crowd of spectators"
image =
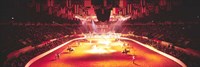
column 21, row 60
column 182, row 35
column 20, row 35
column 189, row 59
column 24, row 35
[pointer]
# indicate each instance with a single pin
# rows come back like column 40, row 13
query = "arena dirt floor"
column 87, row 53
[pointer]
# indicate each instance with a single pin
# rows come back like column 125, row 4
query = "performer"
column 57, row 56
column 70, row 49
column 125, row 51
column 133, row 59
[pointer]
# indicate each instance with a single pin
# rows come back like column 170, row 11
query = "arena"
column 100, row 33
column 100, row 52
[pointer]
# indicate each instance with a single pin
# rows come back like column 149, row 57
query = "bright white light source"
column 100, row 50
column 12, row 18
